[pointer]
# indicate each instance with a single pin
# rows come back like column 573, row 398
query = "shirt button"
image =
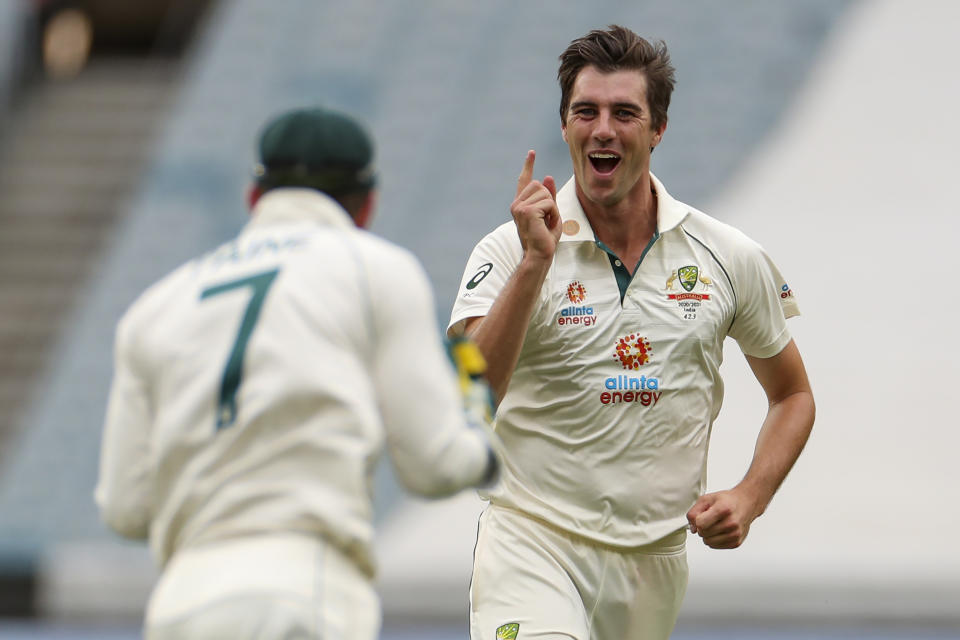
column 618, row 263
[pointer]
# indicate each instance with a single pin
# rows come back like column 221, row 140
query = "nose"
column 603, row 131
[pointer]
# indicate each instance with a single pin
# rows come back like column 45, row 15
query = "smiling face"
column 610, row 134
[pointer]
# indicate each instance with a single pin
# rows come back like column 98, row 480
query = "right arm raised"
column 500, row 333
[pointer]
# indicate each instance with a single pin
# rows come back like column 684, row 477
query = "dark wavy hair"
column 616, row 49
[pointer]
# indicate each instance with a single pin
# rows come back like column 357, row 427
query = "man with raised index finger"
column 602, row 309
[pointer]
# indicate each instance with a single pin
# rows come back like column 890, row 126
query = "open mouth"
column 604, row 162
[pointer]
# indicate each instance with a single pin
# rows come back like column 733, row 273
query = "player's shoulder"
column 158, row 295
column 502, row 244
column 381, row 250
column 504, row 234
column 720, row 237
column 386, row 264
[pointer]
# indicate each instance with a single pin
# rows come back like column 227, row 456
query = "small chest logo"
column 576, row 292
column 578, row 314
column 688, row 276
column 632, row 351
column 688, row 300
column 508, row 631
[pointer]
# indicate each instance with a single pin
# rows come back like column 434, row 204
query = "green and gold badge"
column 688, row 276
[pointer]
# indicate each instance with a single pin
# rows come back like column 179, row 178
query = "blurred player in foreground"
column 254, row 391
column 601, row 311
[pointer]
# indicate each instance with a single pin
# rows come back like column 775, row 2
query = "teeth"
column 603, row 156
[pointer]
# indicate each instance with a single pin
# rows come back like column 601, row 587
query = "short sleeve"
column 491, row 264
column 764, row 302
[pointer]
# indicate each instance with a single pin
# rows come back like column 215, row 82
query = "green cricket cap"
column 316, row 148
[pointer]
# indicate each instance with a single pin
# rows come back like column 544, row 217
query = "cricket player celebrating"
column 254, row 391
column 601, row 311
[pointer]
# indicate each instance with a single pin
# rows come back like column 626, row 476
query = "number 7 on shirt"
column 233, row 371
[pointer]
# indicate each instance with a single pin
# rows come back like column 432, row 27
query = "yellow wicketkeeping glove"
column 470, row 367
column 478, row 403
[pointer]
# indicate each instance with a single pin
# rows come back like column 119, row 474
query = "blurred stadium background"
column 825, row 129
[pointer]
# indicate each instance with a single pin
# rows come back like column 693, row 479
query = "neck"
column 625, row 226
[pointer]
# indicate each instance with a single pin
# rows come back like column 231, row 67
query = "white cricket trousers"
column 534, row 581
column 267, row 587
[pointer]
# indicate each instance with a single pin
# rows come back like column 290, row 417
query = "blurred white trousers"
column 268, row 587
column 532, row 580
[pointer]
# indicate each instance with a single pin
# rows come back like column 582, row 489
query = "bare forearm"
column 782, row 437
column 500, row 334
column 723, row 518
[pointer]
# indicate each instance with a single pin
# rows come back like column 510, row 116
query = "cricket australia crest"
column 688, row 276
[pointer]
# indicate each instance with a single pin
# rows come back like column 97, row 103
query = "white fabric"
column 606, row 420
column 344, row 358
column 286, row 586
column 553, row 585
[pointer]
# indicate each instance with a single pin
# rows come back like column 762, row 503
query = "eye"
column 585, row 112
column 625, row 113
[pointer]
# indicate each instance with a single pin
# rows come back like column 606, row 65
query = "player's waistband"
column 673, row 542
column 283, row 563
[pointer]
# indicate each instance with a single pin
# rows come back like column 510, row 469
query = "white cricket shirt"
column 606, row 419
column 256, row 386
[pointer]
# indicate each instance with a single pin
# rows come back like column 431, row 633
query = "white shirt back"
column 256, row 386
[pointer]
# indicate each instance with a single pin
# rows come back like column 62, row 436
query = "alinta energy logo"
column 577, row 315
column 633, row 351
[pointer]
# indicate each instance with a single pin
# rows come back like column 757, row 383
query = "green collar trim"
column 624, row 277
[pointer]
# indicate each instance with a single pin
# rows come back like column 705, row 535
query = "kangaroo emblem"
column 671, row 280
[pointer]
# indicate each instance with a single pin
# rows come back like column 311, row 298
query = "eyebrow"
column 589, row 103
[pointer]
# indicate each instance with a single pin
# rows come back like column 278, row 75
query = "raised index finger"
column 526, row 175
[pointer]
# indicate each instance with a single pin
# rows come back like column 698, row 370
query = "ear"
column 365, row 215
column 658, row 134
column 563, row 132
column 253, row 195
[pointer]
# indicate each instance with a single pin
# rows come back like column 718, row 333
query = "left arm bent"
column 723, row 518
